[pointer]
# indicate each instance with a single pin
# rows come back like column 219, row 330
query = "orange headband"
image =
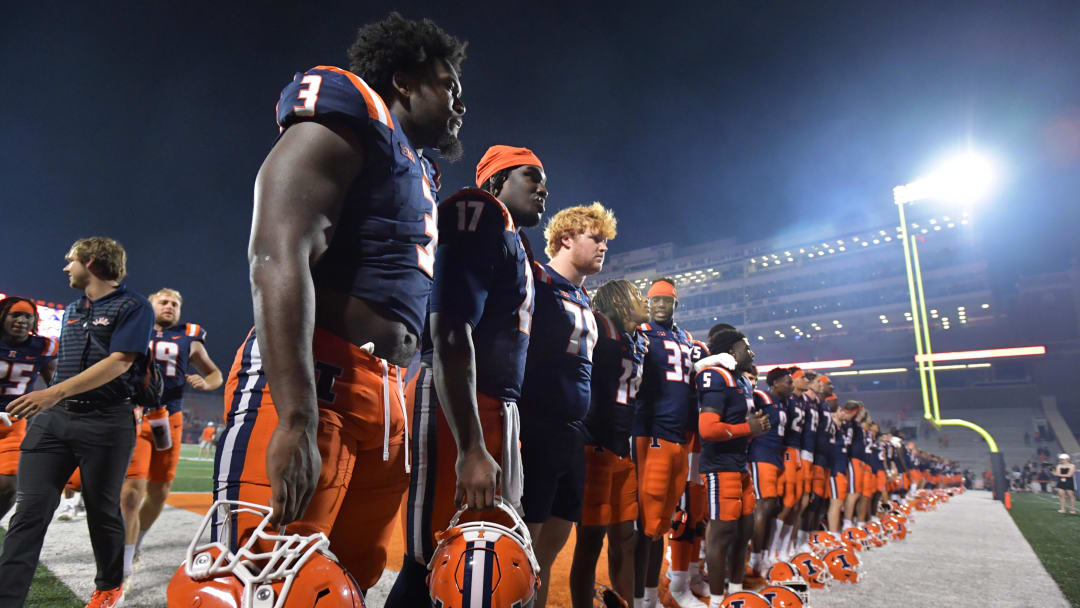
column 498, row 158
column 823, row 378
column 663, row 288
column 798, row 374
column 23, row 306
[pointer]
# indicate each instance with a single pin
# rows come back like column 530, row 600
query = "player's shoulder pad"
column 728, row 378
column 195, row 331
column 606, row 326
column 763, row 396
column 328, row 91
column 49, row 346
column 474, row 210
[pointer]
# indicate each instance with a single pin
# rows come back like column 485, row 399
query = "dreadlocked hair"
column 397, row 44
column 5, row 308
column 615, row 300
column 494, row 184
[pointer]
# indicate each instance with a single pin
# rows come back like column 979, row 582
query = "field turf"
column 1053, row 537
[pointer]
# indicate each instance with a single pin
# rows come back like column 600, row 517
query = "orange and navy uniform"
column 766, row 454
column 726, row 399
column 840, row 480
column 555, row 398
column 664, row 422
column 20, row 365
column 856, row 459
column 483, row 277
column 171, row 349
column 820, row 474
column 383, row 252
column 811, row 405
column 610, row 475
column 795, row 407
column 869, row 477
column 689, row 520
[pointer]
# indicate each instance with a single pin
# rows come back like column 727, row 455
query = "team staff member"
column 664, row 423
column 92, row 426
column 176, row 349
column 558, row 373
column 610, row 502
column 726, row 423
column 315, row 418
column 23, row 356
column 464, row 399
column 766, row 457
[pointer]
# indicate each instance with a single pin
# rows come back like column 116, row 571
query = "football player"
column 795, row 408
column 610, row 502
column 558, row 372
column 206, row 440
column 766, row 456
column 24, row 356
column 176, row 349
column 728, row 420
column 857, row 467
column 805, row 508
column 341, row 255
column 664, row 424
column 466, row 392
column 841, row 471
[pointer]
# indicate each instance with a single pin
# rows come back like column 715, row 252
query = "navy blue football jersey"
column 383, row 247
column 857, row 449
column 810, row 424
column 666, row 407
column 21, row 364
column 821, row 443
column 558, row 369
column 840, row 442
column 769, row 446
column 171, row 348
column 618, row 361
column 483, row 274
column 730, row 395
column 796, row 421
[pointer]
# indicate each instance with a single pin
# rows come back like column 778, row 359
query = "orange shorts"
column 10, row 438
column 730, row 495
column 148, row 463
column 75, row 481
column 869, row 482
column 838, row 485
column 610, row 488
column 916, row 476
column 430, row 504
column 791, row 479
column 362, row 480
column 766, row 479
column 661, row 477
column 820, row 481
column 855, row 476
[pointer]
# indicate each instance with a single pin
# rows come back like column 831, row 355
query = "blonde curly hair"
column 580, row 219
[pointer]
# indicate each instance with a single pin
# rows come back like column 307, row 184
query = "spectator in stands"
column 1044, row 479
column 1066, row 485
column 1027, row 438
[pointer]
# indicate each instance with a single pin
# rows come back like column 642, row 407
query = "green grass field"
column 1053, row 536
column 47, row 591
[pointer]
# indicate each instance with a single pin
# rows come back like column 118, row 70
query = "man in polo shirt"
column 84, row 419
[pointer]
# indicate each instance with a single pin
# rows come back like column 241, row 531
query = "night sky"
column 148, row 123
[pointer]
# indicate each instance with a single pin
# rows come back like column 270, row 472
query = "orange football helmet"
column 821, row 541
column 813, row 570
column 483, row 559
column 782, row 597
column 296, row 571
column 858, row 538
column 745, row 599
column 875, row 532
column 785, row 574
column 894, row 527
column 843, row 565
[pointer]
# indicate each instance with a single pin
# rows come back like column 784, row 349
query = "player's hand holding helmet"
column 484, row 559
column 268, row 571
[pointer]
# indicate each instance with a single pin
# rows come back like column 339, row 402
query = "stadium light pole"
column 964, row 178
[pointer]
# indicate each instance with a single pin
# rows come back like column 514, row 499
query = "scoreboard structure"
column 50, row 317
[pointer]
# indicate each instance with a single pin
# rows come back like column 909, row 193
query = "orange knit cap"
column 501, row 157
column 23, row 306
column 663, row 288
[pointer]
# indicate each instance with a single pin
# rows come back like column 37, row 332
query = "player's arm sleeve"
column 466, row 259
column 326, row 93
column 133, row 326
column 715, row 391
column 196, row 332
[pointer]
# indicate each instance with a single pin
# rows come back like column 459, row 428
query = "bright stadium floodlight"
column 964, row 178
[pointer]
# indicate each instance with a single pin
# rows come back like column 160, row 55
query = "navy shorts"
column 553, row 465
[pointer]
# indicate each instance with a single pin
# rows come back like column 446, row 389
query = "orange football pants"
column 148, row 463
column 661, row 477
column 820, row 481
column 10, row 438
column 730, row 495
column 792, row 480
column 363, row 477
column 766, row 479
column 610, row 488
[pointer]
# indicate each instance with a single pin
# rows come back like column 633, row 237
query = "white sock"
column 639, row 602
column 694, row 570
column 715, row 601
column 650, row 597
column 734, row 588
column 779, row 532
column 680, row 581
column 129, row 553
column 847, row 523
column 803, row 537
column 755, row 560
